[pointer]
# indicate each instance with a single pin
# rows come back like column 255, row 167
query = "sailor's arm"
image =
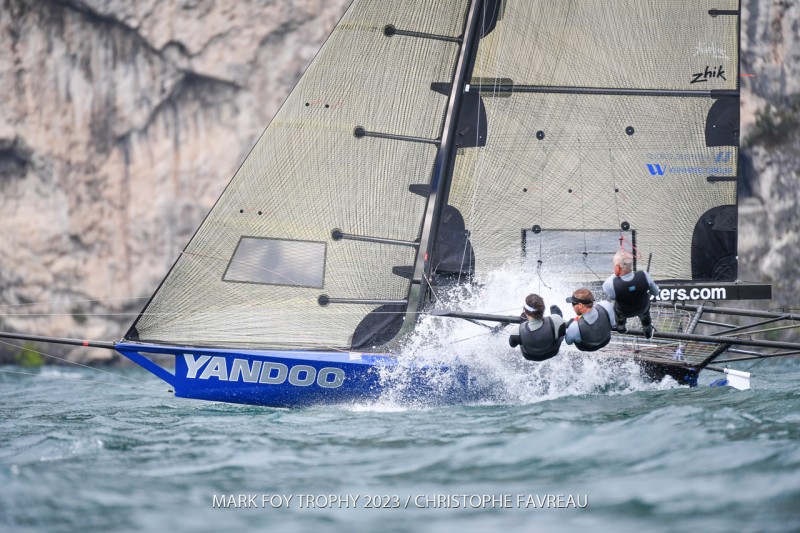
column 558, row 322
column 573, row 332
column 654, row 290
column 612, row 316
column 608, row 288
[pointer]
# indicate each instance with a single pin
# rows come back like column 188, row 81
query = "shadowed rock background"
column 121, row 122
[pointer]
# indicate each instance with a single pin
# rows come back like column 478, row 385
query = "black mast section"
column 444, row 163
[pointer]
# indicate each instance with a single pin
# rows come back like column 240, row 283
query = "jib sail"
column 309, row 245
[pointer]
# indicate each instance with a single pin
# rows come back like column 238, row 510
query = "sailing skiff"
column 430, row 143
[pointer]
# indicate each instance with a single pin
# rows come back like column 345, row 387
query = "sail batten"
column 491, row 89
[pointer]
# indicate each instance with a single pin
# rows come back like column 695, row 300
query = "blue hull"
column 296, row 378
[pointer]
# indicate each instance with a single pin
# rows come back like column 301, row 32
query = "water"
column 572, row 444
column 112, row 454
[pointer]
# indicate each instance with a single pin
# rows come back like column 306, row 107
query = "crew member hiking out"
column 539, row 337
column 590, row 330
column 631, row 293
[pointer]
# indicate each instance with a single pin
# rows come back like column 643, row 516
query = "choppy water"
column 111, row 454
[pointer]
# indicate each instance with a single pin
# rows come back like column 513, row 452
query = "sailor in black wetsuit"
column 591, row 329
column 631, row 293
column 539, row 337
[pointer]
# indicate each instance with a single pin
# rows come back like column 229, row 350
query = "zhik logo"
column 709, row 73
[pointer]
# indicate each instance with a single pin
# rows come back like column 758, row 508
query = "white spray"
column 497, row 371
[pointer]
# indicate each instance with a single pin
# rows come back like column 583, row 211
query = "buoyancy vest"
column 597, row 335
column 540, row 344
column 632, row 297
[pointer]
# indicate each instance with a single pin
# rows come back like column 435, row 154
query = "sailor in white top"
column 591, row 329
column 631, row 292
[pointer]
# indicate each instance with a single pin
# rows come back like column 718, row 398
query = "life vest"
column 597, row 335
column 633, row 297
column 541, row 344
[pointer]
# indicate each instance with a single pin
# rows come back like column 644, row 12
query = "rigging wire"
column 430, row 285
column 586, row 264
column 613, row 167
column 69, row 378
column 81, row 314
column 583, row 215
column 76, row 364
column 62, row 302
column 793, row 325
column 539, row 270
column 634, row 250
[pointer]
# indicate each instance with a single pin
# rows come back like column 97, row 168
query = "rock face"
column 769, row 225
column 121, row 122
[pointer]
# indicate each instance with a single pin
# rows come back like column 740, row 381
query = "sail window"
column 582, row 252
column 277, row 262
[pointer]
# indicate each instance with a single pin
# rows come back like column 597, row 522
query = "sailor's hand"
column 498, row 328
column 513, row 341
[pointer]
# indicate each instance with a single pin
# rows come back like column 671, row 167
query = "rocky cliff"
column 769, row 226
column 121, row 122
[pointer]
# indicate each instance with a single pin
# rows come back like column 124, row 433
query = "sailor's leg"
column 645, row 318
column 621, row 320
column 647, row 324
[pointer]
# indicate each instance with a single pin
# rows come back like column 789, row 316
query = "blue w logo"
column 722, row 157
column 655, row 169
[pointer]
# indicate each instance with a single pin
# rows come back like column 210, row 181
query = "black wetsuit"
column 540, row 344
column 597, row 335
column 632, row 298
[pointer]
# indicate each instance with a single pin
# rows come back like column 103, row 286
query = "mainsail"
column 607, row 121
column 443, row 138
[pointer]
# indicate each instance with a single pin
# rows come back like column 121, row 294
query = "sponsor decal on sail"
column 708, row 74
column 659, row 169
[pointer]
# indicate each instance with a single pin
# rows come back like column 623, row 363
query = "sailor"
column 539, row 336
column 631, row 293
column 590, row 330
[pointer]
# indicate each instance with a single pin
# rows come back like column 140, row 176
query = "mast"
column 443, row 164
